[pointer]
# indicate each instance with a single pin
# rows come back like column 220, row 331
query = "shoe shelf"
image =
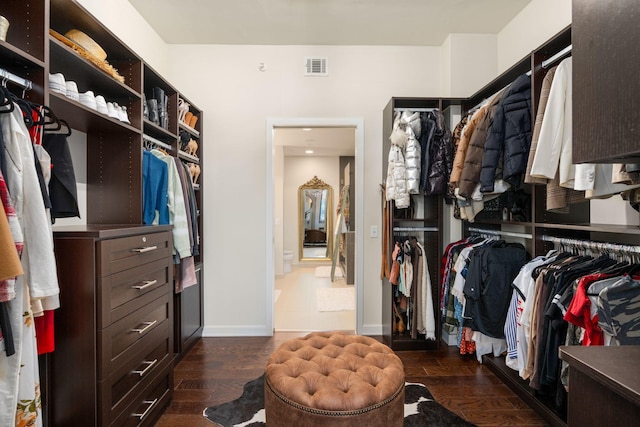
column 64, row 60
column 188, row 157
column 85, row 119
column 189, row 129
column 157, row 132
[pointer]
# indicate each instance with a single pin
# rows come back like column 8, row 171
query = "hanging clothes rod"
column 500, row 233
column 415, row 110
column 431, row 229
column 7, row 76
column 558, row 56
column 589, row 244
column 151, row 139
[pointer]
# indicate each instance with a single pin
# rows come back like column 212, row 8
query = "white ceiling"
column 324, row 22
column 324, row 141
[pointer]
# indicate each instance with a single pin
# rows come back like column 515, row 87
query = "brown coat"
column 473, row 160
column 461, row 151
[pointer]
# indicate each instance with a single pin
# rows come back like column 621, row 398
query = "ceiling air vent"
column 316, row 67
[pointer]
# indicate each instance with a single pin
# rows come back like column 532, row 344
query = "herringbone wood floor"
column 215, row 369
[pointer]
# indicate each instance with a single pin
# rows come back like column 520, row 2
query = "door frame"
column 271, row 124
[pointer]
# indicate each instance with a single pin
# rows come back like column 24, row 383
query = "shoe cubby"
column 189, row 117
column 155, row 86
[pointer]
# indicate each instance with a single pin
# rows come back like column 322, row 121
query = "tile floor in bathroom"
column 296, row 307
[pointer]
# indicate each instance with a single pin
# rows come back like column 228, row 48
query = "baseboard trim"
column 236, row 331
column 371, row 330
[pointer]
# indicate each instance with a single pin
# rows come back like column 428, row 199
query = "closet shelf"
column 189, row 157
column 599, row 228
column 415, row 221
column 85, row 119
column 189, row 129
column 17, row 56
column 158, row 132
column 497, row 222
column 87, row 75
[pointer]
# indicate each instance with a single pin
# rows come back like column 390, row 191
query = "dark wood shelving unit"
column 99, row 263
column 574, row 224
column 429, row 217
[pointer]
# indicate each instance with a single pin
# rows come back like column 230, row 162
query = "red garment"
column 579, row 311
column 44, row 332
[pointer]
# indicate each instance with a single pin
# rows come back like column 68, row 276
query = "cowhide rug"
column 420, row 409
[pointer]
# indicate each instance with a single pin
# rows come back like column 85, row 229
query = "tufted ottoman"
column 334, row 379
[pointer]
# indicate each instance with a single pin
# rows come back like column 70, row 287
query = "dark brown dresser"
column 604, row 385
column 114, row 331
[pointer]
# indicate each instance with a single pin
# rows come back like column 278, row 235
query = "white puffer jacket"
column 396, row 180
column 412, row 161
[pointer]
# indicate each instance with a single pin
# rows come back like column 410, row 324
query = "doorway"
column 302, row 290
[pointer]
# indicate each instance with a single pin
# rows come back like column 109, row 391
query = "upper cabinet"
column 23, row 52
column 606, row 96
column 99, row 65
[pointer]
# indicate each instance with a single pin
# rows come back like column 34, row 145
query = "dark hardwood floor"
column 215, row 369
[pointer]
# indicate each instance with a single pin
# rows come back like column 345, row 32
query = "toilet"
column 288, row 257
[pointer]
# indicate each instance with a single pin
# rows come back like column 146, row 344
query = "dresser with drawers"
column 112, row 364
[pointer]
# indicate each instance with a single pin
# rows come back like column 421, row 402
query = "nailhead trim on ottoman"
column 334, row 379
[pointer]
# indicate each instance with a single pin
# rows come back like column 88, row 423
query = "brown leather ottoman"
column 334, row 379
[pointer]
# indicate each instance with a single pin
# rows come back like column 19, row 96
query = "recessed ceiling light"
column 306, row 129
column 309, row 151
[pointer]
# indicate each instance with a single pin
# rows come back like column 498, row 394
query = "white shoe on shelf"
column 72, row 90
column 88, row 99
column 57, row 83
column 122, row 114
column 112, row 110
column 101, row 104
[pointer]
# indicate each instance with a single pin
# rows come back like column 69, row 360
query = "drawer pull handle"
column 145, row 249
column 145, row 370
column 147, row 326
column 145, row 284
column 151, row 404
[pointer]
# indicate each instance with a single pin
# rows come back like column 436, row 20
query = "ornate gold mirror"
column 314, row 217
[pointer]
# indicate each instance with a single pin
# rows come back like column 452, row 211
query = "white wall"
column 297, row 171
column 127, row 24
column 473, row 62
column 237, row 99
column 538, row 22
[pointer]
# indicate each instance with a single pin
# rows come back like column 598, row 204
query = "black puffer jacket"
column 509, row 137
column 437, row 154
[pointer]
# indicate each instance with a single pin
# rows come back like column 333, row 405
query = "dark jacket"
column 509, row 137
column 437, row 154
column 488, row 285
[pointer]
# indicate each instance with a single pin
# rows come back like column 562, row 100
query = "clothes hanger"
column 59, row 127
column 5, row 98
